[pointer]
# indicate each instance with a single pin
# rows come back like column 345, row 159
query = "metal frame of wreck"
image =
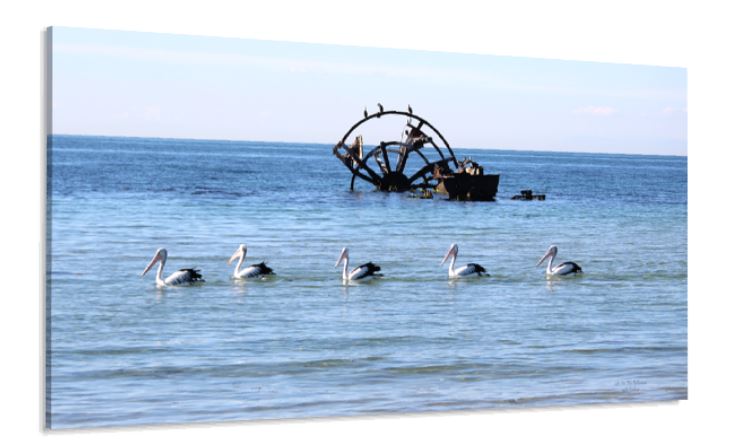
column 404, row 152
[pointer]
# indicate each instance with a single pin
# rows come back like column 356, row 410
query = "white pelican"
column 180, row 277
column 566, row 268
column 467, row 270
column 253, row 271
column 366, row 270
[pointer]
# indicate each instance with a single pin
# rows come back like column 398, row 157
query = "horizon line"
column 331, row 144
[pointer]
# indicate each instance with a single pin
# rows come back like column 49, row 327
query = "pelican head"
column 453, row 249
column 551, row 252
column 240, row 252
column 159, row 255
column 344, row 255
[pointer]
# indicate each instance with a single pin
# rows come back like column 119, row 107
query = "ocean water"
column 301, row 344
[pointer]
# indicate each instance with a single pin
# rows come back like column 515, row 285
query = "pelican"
column 459, row 272
column 365, row 112
column 180, row 277
column 566, row 268
column 410, row 109
column 253, row 271
column 366, row 270
column 382, row 109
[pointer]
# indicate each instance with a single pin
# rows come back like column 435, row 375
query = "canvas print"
column 241, row 230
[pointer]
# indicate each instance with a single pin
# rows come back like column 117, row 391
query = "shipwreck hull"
column 466, row 187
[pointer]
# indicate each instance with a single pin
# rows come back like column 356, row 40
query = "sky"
column 175, row 86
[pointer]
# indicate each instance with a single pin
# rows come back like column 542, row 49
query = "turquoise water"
column 122, row 352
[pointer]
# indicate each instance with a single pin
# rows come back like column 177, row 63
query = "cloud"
column 274, row 62
column 671, row 110
column 447, row 74
column 152, row 113
column 600, row 111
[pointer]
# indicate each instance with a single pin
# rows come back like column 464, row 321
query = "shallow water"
column 301, row 344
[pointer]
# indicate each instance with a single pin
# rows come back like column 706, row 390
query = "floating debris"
column 528, row 195
column 424, row 194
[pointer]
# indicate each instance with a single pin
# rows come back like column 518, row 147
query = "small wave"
column 245, row 370
column 214, row 192
column 625, row 350
column 117, row 351
column 328, row 363
column 427, row 369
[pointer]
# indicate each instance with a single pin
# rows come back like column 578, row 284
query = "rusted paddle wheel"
column 421, row 160
column 386, row 164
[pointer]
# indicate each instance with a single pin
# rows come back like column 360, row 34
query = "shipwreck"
column 420, row 161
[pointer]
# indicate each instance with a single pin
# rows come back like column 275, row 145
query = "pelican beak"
column 449, row 253
column 154, row 260
column 344, row 254
column 235, row 256
column 546, row 255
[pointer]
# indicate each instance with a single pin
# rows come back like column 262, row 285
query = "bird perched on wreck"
column 410, row 109
column 382, row 109
column 365, row 112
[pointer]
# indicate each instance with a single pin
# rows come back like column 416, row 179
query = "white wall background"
column 697, row 35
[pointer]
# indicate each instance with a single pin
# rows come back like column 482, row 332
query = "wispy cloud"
column 274, row 62
column 672, row 110
column 478, row 77
column 600, row 111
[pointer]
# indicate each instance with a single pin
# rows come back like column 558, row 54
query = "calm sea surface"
column 122, row 352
